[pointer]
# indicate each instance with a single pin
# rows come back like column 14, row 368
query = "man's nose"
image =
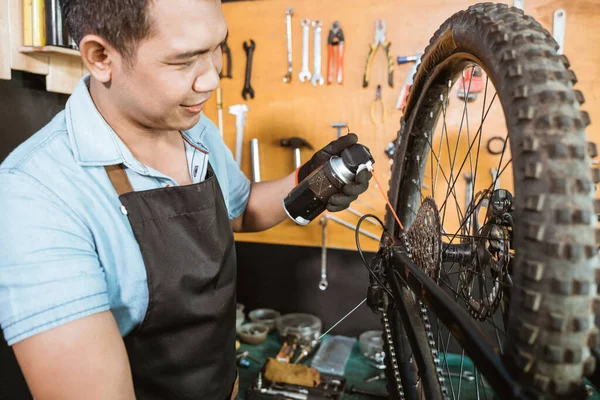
column 207, row 82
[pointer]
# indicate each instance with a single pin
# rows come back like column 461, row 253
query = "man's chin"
column 188, row 123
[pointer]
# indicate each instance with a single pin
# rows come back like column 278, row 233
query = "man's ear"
column 98, row 57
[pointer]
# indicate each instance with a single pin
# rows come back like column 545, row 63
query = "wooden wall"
column 299, row 109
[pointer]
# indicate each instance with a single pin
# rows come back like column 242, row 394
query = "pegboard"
column 282, row 110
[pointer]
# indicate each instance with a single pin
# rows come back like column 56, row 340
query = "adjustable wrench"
column 288, row 23
column 248, row 91
column 304, row 74
column 323, row 284
column 317, row 79
column 239, row 110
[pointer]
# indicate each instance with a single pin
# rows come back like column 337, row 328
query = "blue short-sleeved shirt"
column 66, row 250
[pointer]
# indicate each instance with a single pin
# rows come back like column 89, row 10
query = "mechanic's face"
column 177, row 68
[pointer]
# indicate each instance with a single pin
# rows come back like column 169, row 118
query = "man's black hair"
column 122, row 23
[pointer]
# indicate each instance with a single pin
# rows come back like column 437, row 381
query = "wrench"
column 304, row 74
column 239, row 110
column 288, row 23
column 495, row 178
column 558, row 29
column 468, row 199
column 317, row 79
column 247, row 85
column 323, row 284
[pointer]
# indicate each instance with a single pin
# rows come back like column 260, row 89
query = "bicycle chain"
column 425, row 235
column 392, row 353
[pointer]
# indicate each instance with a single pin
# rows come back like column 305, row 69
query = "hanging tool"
column 288, row 24
column 323, row 284
column 493, row 149
column 296, row 143
column 255, row 159
column 335, row 50
column 469, row 189
column 380, row 40
column 305, row 74
column 471, row 83
column 339, row 126
column 401, row 103
column 220, row 109
column 360, row 215
column 374, row 106
column 558, row 29
column 239, row 110
column 495, row 178
column 406, row 59
column 249, row 49
column 227, row 53
column 519, row 4
column 317, row 78
column 352, row 227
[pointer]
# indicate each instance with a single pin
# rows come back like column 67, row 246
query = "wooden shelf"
column 49, row 50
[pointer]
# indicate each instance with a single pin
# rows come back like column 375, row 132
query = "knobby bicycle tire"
column 551, row 317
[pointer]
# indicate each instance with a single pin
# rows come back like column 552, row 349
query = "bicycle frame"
column 402, row 272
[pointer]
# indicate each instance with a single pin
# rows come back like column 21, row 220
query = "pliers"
column 374, row 105
column 380, row 40
column 335, row 46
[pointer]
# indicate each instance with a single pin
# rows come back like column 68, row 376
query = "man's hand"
column 334, row 148
column 350, row 192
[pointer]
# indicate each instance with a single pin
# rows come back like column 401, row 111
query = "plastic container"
column 305, row 327
column 253, row 332
column 332, row 356
column 371, row 345
column 266, row 316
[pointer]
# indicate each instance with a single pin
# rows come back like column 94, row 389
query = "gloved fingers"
column 341, row 199
column 343, row 142
column 332, row 208
column 354, row 189
column 363, row 176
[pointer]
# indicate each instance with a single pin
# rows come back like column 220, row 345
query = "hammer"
column 339, row 126
column 295, row 143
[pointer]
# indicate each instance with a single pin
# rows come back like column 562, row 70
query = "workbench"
column 358, row 369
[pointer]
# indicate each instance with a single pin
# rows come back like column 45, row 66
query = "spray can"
column 309, row 199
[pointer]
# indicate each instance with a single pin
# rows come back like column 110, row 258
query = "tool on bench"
column 288, row 25
column 309, row 198
column 380, row 40
column 558, row 29
column 378, row 100
column 470, row 84
column 249, row 49
column 255, row 159
column 335, row 51
column 296, row 143
column 239, row 110
column 401, row 102
column 305, row 74
column 227, row 53
column 317, row 78
column 355, row 390
column 339, row 126
column 220, row 109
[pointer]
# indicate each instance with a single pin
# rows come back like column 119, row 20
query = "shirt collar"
column 94, row 142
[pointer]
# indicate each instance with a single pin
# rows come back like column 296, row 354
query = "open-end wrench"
column 558, row 29
column 317, row 78
column 288, row 24
column 239, row 110
column 323, row 284
column 249, row 49
column 468, row 200
column 304, row 74
column 495, row 178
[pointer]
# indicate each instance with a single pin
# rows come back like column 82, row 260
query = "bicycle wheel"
column 521, row 257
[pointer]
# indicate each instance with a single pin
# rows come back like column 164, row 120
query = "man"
column 117, row 261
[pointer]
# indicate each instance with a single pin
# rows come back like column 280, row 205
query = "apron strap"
column 118, row 178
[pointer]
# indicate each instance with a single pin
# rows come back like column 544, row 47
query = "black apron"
column 185, row 346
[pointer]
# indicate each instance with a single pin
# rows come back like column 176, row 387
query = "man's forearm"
column 265, row 206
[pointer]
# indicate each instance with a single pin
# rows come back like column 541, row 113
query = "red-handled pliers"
column 335, row 46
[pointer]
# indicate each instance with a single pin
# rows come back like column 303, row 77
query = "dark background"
column 282, row 277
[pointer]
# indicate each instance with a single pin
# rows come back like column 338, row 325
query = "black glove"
column 334, row 148
column 351, row 191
